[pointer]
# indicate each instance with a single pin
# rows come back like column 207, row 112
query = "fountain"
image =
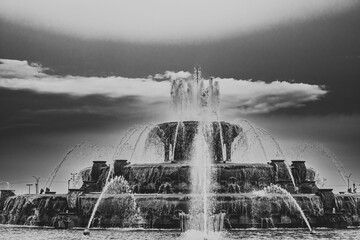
column 191, row 174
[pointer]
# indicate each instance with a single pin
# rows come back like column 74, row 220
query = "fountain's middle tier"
column 178, row 139
column 171, row 178
column 176, row 178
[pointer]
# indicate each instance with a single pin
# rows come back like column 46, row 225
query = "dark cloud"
column 129, row 22
column 25, row 112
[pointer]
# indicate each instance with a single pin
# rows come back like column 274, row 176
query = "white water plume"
column 133, row 145
column 86, row 150
column 195, row 98
column 139, row 146
column 117, row 185
column 277, row 190
column 262, row 138
column 109, row 182
column 5, row 185
column 307, row 148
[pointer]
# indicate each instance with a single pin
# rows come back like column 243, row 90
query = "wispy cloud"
column 237, row 96
column 21, row 75
column 20, row 69
column 169, row 75
column 261, row 97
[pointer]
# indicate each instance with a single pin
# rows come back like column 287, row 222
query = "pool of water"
column 25, row 233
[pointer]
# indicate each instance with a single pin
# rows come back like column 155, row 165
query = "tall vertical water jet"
column 200, row 180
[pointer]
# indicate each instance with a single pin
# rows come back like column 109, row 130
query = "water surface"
column 25, row 233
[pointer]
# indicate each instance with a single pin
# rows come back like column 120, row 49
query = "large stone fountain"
column 196, row 182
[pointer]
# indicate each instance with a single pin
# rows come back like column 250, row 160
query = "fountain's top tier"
column 195, row 98
column 178, row 139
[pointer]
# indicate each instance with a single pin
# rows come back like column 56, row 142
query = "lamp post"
column 37, row 184
column 29, row 185
column 348, row 178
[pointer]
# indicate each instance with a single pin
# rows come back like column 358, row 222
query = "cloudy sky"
column 85, row 70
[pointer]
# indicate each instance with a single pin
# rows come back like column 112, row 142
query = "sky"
column 86, row 71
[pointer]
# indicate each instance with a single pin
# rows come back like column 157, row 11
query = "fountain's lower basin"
column 242, row 210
